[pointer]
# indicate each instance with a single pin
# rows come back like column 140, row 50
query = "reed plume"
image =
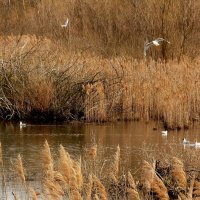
column 65, row 164
column 75, row 195
column 101, row 191
column 79, row 177
column 15, row 196
column 92, row 152
column 47, row 160
column 96, row 197
column 132, row 192
column 19, row 169
column 196, row 191
column 33, row 194
column 151, row 181
column 115, row 163
column 52, row 189
column 88, row 188
column 178, row 173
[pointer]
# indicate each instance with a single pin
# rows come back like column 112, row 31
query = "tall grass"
column 93, row 25
column 42, row 81
column 165, row 180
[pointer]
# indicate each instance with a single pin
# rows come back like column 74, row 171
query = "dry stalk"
column 132, row 189
column 92, row 152
column 190, row 191
column 19, row 169
column 75, row 195
column 79, row 177
column 101, row 191
column 196, row 191
column 47, row 160
column 53, row 190
column 33, row 194
column 151, row 181
column 65, row 164
column 178, row 173
column 1, row 156
column 115, row 164
column 88, row 189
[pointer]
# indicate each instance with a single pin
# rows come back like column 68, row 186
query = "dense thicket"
column 108, row 27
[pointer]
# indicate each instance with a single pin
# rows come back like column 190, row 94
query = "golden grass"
column 47, row 161
column 95, row 27
column 151, row 181
column 1, row 156
column 178, row 173
column 88, row 188
column 33, row 193
column 132, row 189
column 65, row 164
column 53, row 190
column 94, row 88
column 20, row 169
column 91, row 152
column 100, row 189
column 81, row 183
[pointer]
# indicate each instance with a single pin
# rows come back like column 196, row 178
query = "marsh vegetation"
column 94, row 69
column 93, row 177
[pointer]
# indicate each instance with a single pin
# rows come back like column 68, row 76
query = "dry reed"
column 113, row 88
column 100, row 189
column 116, row 162
column 151, row 181
column 132, row 189
column 19, row 169
column 1, row 156
column 178, row 173
column 92, row 152
column 47, row 160
column 196, row 191
column 65, row 164
column 53, row 190
column 33, row 193
column 77, row 185
column 79, row 177
column 88, row 188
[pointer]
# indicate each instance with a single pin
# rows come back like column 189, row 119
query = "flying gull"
column 155, row 42
column 65, row 24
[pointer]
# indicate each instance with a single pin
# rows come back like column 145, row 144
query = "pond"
column 137, row 140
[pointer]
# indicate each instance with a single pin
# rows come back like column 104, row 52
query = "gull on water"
column 197, row 144
column 185, row 141
column 21, row 124
column 155, row 42
column 164, row 133
column 65, row 24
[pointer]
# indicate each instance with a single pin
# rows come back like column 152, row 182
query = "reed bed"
column 82, row 86
column 94, row 26
column 162, row 179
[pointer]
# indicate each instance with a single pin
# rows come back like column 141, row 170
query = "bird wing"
column 66, row 22
column 147, row 45
column 161, row 40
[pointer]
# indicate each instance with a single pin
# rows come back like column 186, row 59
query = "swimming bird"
column 155, row 42
column 186, row 141
column 197, row 144
column 65, row 24
column 164, row 133
column 21, row 124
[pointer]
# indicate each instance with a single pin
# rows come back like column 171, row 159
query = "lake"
column 137, row 141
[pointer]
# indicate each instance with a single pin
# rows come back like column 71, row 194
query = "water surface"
column 130, row 136
column 137, row 141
